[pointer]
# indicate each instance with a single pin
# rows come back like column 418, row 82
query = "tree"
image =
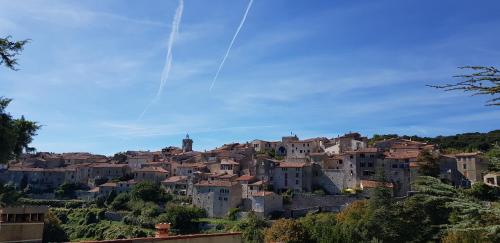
column 120, row 202
column 183, row 219
column 8, row 195
column 287, row 231
column 428, row 164
column 252, row 227
column 149, row 192
column 493, row 157
column 8, row 51
column 15, row 134
column 52, row 230
column 67, row 190
column 482, row 81
column 320, row 227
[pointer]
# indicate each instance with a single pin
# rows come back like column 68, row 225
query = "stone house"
column 217, row 197
column 108, row 170
column 291, row 176
column 229, row 166
column 471, row 166
column 244, row 181
column 151, row 174
column 176, row 185
column 264, row 203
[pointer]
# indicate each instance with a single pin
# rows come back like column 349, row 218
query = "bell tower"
column 187, row 144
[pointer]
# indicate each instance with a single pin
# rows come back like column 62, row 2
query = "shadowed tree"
column 482, row 81
column 9, row 50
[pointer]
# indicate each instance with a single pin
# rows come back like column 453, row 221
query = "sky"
column 312, row 68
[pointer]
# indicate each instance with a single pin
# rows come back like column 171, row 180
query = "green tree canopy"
column 15, row 134
column 9, row 50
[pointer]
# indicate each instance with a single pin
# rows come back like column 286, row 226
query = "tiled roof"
column 292, row 165
column 108, row 165
column 373, row 184
column 174, row 179
column 228, row 162
column 467, row 154
column 217, row 183
column 108, row 184
column 402, row 154
column 245, row 178
column 257, row 183
column 152, row 169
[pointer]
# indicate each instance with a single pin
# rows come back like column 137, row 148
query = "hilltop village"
column 292, row 176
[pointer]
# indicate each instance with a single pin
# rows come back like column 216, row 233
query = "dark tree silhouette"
column 482, row 81
column 8, row 51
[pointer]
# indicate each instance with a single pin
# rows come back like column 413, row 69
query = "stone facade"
column 217, row 197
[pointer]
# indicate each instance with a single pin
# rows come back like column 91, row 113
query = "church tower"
column 187, row 144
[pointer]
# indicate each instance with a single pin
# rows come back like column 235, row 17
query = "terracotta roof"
column 152, row 169
column 217, row 183
column 108, row 165
column 245, row 178
column 373, row 184
column 292, row 165
column 402, row 155
column 467, row 154
column 174, row 179
column 228, row 162
column 227, row 176
column 108, row 184
column 191, row 165
column 257, row 183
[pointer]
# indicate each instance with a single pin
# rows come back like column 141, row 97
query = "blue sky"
column 314, row 68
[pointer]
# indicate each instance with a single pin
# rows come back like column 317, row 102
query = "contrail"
column 231, row 45
column 168, row 63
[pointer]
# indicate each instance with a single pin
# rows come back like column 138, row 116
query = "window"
column 271, row 178
column 394, row 166
column 340, row 162
column 296, row 174
column 361, row 155
column 220, row 198
column 350, row 156
column 362, row 164
column 308, row 151
column 296, row 182
column 372, row 156
column 370, row 164
column 300, row 151
column 297, row 169
column 225, row 199
column 464, row 166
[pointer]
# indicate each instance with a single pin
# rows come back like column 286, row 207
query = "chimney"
column 162, row 230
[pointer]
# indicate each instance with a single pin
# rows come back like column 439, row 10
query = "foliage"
column 465, row 142
column 8, row 195
column 252, row 228
column 484, row 192
column 52, row 230
column 149, row 192
column 287, row 231
column 183, row 219
column 15, row 134
column 232, row 214
column 53, row 203
column 493, row 156
column 120, row 202
column 321, row 227
column 8, row 51
column 67, row 190
column 429, row 164
column 482, row 81
column 90, row 224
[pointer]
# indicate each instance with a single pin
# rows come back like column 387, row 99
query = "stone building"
column 492, row 179
column 472, row 166
column 263, row 203
column 22, row 224
column 217, row 197
column 187, row 144
column 151, row 174
column 176, row 185
column 291, row 176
